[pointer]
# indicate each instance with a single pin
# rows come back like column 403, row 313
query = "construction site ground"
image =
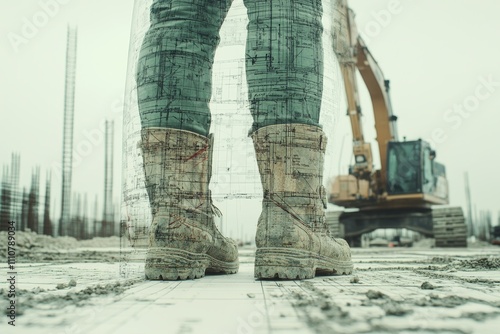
column 392, row 290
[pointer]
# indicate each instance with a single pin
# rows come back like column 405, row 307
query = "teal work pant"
column 284, row 62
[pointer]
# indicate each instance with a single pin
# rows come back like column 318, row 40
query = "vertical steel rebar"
column 69, row 108
column 47, row 223
column 108, row 210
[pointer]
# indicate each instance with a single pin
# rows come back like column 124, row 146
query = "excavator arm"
column 353, row 55
column 345, row 41
column 378, row 87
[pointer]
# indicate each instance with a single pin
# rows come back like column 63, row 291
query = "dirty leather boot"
column 292, row 237
column 184, row 242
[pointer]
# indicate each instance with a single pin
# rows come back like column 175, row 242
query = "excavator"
column 410, row 188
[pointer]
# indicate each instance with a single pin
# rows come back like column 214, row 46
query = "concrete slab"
column 385, row 294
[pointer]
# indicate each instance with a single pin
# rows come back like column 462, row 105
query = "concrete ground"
column 391, row 291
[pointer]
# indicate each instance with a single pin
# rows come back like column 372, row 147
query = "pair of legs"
column 284, row 67
column 284, row 62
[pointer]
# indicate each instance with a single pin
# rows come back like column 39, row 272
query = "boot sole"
column 289, row 263
column 170, row 264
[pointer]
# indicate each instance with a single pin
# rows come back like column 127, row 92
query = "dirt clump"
column 372, row 294
column 38, row 248
column 354, row 280
column 29, row 240
column 484, row 263
column 38, row 298
column 427, row 286
column 441, row 259
column 395, row 309
column 447, row 301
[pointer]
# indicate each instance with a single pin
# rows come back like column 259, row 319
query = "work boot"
column 292, row 237
column 184, row 242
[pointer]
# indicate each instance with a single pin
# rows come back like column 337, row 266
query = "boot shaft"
column 177, row 168
column 184, row 241
column 290, row 159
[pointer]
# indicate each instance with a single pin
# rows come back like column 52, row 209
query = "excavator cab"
column 412, row 169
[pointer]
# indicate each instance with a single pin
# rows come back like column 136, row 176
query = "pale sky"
column 442, row 57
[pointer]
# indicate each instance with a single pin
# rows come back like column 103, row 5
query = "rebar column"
column 15, row 196
column 108, row 179
column 47, row 223
column 69, row 109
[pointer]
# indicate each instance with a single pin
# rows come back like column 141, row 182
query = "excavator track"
column 446, row 225
column 449, row 227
